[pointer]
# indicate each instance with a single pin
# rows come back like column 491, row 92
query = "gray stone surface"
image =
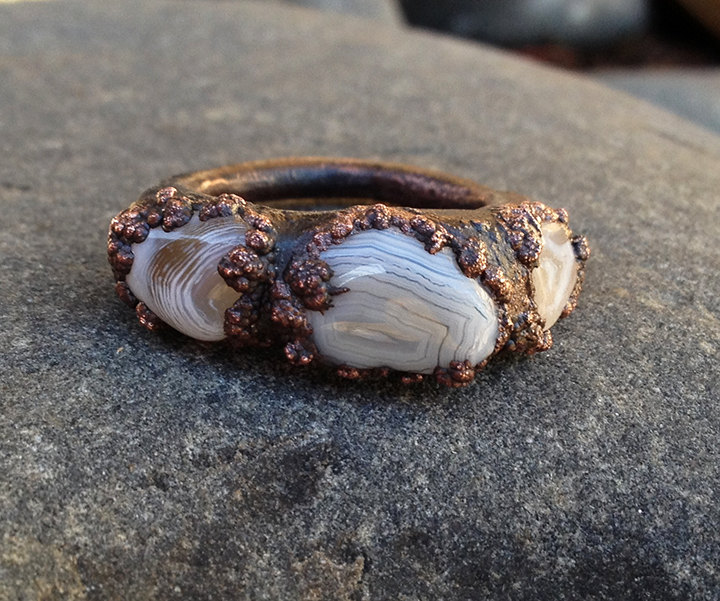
column 142, row 466
column 693, row 94
column 385, row 11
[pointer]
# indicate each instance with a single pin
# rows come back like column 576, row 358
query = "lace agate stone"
column 405, row 308
column 555, row 276
column 175, row 274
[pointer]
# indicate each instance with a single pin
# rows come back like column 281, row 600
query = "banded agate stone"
column 405, row 309
column 556, row 274
column 175, row 274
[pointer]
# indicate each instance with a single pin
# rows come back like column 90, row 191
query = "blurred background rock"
column 664, row 51
column 384, row 10
column 519, row 22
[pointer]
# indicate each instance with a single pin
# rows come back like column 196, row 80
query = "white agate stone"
column 405, row 308
column 175, row 275
column 555, row 276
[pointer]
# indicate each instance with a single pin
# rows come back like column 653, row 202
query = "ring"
column 370, row 267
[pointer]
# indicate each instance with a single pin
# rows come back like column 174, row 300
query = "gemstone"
column 175, row 274
column 405, row 308
column 554, row 278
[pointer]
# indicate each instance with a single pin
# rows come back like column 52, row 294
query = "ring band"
column 370, row 267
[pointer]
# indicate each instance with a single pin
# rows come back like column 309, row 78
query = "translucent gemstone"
column 175, row 275
column 555, row 276
column 405, row 308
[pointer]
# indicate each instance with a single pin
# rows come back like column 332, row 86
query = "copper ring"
column 278, row 269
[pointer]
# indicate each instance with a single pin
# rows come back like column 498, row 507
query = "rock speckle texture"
column 142, row 466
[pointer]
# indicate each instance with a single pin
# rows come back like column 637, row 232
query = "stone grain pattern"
column 144, row 466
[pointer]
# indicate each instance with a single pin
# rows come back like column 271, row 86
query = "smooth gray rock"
column 144, row 466
column 693, row 94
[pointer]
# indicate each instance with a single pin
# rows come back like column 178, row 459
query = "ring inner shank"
column 333, row 183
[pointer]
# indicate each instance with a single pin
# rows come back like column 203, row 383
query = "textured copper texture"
column 495, row 237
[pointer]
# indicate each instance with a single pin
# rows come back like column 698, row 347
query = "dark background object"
column 707, row 11
column 578, row 33
column 520, row 22
column 655, row 49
